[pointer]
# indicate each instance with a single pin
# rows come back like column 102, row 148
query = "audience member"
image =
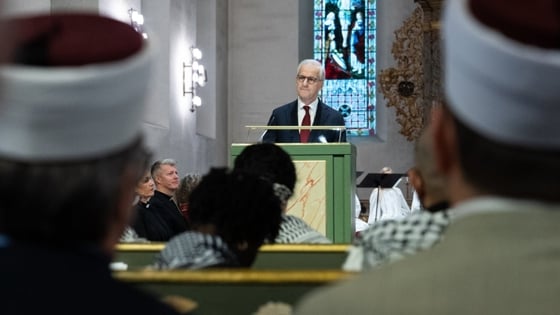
column 360, row 222
column 183, row 193
column 497, row 142
column 171, row 221
column 308, row 109
column 272, row 162
column 69, row 164
column 390, row 240
column 386, row 203
column 147, row 224
column 228, row 223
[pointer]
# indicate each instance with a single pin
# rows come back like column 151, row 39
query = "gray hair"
column 313, row 63
column 156, row 167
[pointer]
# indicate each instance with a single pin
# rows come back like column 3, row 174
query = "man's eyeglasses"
column 310, row 80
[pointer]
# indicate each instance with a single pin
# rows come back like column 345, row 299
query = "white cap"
column 498, row 85
column 81, row 96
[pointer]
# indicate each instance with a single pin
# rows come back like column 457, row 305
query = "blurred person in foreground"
column 228, row 223
column 71, row 152
column 497, row 142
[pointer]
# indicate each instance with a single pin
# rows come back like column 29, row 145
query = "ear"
column 156, row 179
column 444, row 141
column 418, row 185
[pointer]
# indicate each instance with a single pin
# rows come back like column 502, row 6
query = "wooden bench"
column 233, row 291
column 276, row 256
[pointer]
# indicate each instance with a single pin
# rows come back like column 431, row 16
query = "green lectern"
column 324, row 195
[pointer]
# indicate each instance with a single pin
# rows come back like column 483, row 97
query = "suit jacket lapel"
column 317, row 120
column 294, row 120
column 294, row 114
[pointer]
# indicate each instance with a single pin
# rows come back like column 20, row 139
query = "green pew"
column 275, row 256
column 233, row 291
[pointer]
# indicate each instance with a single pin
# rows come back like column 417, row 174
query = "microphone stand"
column 270, row 121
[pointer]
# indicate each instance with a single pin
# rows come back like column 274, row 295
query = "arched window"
column 344, row 41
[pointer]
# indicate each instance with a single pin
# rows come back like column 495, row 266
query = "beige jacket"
column 506, row 261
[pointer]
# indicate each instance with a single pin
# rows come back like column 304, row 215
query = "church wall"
column 251, row 50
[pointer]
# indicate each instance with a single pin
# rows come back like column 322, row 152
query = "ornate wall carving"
column 415, row 83
column 403, row 85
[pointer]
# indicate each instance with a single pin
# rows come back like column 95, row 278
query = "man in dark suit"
column 170, row 219
column 308, row 109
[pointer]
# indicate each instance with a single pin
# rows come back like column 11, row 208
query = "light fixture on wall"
column 198, row 77
column 137, row 21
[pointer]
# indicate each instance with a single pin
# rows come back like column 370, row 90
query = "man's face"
column 308, row 84
column 168, row 178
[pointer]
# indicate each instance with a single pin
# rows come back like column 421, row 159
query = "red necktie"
column 304, row 133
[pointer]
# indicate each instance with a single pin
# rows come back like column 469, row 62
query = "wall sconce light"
column 137, row 21
column 197, row 75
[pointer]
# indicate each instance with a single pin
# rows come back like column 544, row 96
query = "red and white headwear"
column 502, row 67
column 74, row 87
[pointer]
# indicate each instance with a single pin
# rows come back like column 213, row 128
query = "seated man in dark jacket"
column 166, row 219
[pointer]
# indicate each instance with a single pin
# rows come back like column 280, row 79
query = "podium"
column 324, row 195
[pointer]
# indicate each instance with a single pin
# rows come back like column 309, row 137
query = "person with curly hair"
column 183, row 193
column 227, row 231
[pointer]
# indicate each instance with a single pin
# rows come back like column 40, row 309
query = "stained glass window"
column 344, row 41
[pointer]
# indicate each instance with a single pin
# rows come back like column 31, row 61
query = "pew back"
column 275, row 256
column 233, row 291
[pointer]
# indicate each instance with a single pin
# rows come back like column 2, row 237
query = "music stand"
column 381, row 180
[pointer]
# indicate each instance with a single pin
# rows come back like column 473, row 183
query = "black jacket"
column 287, row 115
column 36, row 280
column 163, row 219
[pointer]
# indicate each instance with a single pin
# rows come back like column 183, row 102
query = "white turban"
column 504, row 89
column 86, row 100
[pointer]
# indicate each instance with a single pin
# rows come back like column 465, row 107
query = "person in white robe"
column 387, row 203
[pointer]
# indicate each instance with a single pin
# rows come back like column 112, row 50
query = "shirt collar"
column 312, row 105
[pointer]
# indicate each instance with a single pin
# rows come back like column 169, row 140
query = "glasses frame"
column 310, row 80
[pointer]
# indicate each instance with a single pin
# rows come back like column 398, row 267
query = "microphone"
column 270, row 121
